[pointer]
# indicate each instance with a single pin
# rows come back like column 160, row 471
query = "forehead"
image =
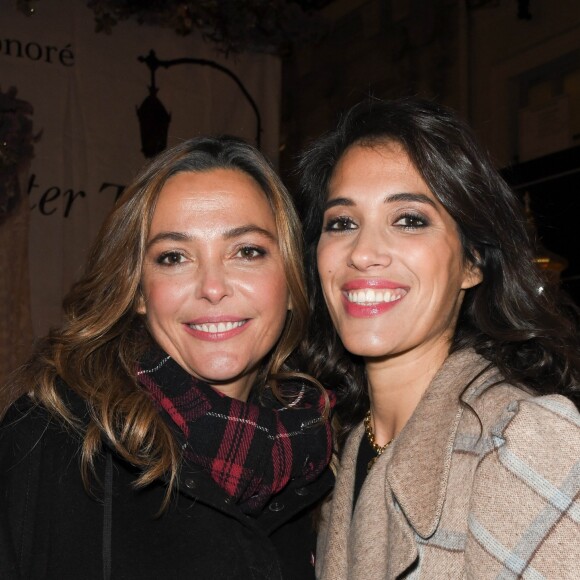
column 374, row 167
column 227, row 195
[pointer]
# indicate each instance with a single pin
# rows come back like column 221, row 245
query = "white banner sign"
column 85, row 89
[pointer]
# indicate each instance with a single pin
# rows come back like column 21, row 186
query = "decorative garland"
column 271, row 26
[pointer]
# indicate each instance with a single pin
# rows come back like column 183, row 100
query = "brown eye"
column 170, row 258
column 251, row 252
column 339, row 224
column 411, row 221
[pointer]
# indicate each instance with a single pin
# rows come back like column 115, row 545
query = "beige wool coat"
column 483, row 482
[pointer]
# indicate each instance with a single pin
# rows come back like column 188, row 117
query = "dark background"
column 553, row 183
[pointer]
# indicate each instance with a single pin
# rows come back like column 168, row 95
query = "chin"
column 221, row 376
column 366, row 349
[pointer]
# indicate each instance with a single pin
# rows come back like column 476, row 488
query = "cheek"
column 164, row 295
column 324, row 265
column 266, row 291
column 455, row 268
column 432, row 264
column 277, row 297
column 321, row 255
column 325, row 273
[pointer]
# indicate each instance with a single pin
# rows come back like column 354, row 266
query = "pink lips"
column 216, row 328
column 369, row 310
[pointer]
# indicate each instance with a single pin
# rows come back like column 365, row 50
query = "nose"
column 369, row 249
column 213, row 283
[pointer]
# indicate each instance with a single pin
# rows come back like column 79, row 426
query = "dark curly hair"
column 514, row 317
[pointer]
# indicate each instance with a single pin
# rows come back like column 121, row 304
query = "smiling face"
column 214, row 288
column 390, row 259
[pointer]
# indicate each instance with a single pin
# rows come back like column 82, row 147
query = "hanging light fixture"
column 153, row 124
column 153, row 116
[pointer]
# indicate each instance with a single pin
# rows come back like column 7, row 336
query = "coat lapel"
column 419, row 468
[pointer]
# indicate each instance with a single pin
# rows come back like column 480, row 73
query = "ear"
column 472, row 275
column 141, row 307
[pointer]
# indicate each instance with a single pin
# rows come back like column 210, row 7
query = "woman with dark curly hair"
column 456, row 364
column 162, row 431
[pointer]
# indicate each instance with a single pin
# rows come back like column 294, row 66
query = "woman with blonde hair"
column 161, row 431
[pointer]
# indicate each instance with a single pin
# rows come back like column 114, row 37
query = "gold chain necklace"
column 371, row 437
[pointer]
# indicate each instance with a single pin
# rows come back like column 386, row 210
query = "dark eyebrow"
column 396, row 197
column 338, row 201
column 228, row 235
column 417, row 197
column 249, row 229
column 173, row 236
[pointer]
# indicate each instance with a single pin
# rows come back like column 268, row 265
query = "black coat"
column 51, row 528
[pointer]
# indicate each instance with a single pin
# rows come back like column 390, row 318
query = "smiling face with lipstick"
column 433, row 324
column 390, row 258
column 214, row 287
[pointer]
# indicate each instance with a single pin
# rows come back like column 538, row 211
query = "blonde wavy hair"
column 95, row 350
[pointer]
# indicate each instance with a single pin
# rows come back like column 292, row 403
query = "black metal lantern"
column 154, row 124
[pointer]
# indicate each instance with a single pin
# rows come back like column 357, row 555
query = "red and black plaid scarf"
column 251, row 450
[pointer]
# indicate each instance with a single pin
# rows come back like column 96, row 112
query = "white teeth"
column 370, row 296
column 213, row 328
